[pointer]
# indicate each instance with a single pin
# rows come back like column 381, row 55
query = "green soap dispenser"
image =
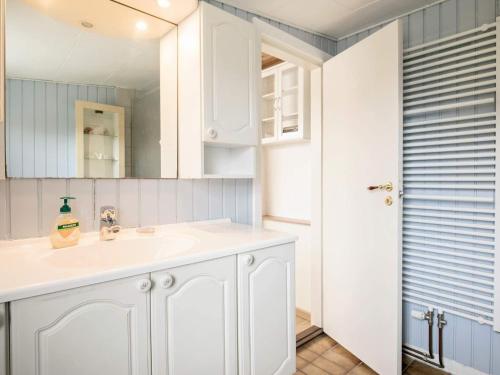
column 66, row 230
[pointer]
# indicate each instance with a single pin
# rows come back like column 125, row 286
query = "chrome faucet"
column 108, row 228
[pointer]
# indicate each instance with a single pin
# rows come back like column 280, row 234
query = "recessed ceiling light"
column 141, row 26
column 87, row 24
column 163, row 3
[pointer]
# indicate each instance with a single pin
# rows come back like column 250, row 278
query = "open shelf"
column 229, row 161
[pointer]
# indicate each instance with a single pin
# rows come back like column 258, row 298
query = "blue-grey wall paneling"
column 185, row 201
column 200, row 199
column 51, row 126
column 28, row 126
column 229, row 199
column 62, row 130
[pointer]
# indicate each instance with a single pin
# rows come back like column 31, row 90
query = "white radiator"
column 449, row 174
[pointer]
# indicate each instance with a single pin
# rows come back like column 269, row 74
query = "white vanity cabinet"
column 97, row 329
column 194, row 319
column 266, row 310
column 217, row 109
column 229, row 315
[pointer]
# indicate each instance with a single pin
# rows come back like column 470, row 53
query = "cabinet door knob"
column 144, row 285
column 249, row 259
column 168, row 281
column 212, row 133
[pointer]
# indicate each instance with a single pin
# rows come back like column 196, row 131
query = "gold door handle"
column 387, row 187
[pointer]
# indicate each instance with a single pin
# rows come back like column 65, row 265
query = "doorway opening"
column 287, row 190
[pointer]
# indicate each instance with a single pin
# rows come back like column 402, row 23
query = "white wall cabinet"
column 285, row 98
column 99, row 329
column 266, row 308
column 217, row 107
column 231, row 315
column 194, row 319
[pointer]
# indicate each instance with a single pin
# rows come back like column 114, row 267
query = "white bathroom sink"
column 128, row 248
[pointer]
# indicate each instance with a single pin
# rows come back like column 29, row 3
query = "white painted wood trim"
column 451, row 366
column 2, row 90
column 287, row 220
column 289, row 48
column 317, row 197
column 294, row 47
column 257, row 181
column 80, row 106
column 496, row 311
column 190, row 147
column 168, row 100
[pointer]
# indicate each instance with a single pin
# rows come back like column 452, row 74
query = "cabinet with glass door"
column 285, row 114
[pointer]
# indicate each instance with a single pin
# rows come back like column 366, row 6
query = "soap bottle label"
column 66, row 229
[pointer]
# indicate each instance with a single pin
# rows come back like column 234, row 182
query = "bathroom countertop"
column 31, row 267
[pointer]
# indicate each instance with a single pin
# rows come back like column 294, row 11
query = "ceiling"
column 45, row 40
column 176, row 12
column 334, row 18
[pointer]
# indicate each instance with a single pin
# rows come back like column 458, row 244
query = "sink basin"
column 126, row 249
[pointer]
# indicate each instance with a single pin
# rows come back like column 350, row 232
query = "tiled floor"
column 323, row 356
column 301, row 323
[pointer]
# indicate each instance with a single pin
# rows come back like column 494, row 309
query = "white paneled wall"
column 28, row 207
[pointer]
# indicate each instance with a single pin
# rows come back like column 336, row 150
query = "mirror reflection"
column 82, row 89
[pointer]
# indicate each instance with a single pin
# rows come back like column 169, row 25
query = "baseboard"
column 453, row 367
column 458, row 368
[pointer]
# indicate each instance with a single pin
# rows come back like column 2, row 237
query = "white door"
column 193, row 328
column 229, row 71
column 100, row 329
column 361, row 147
column 266, row 311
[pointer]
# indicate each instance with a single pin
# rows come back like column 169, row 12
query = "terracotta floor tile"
column 307, row 354
column 419, row 368
column 342, row 357
column 301, row 363
column 320, row 344
column 298, row 372
column 362, row 369
column 330, row 367
column 310, row 369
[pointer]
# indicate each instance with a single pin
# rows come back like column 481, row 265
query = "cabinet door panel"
column 229, row 76
column 101, row 329
column 194, row 319
column 267, row 311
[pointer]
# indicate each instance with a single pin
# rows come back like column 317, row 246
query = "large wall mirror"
column 85, row 94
